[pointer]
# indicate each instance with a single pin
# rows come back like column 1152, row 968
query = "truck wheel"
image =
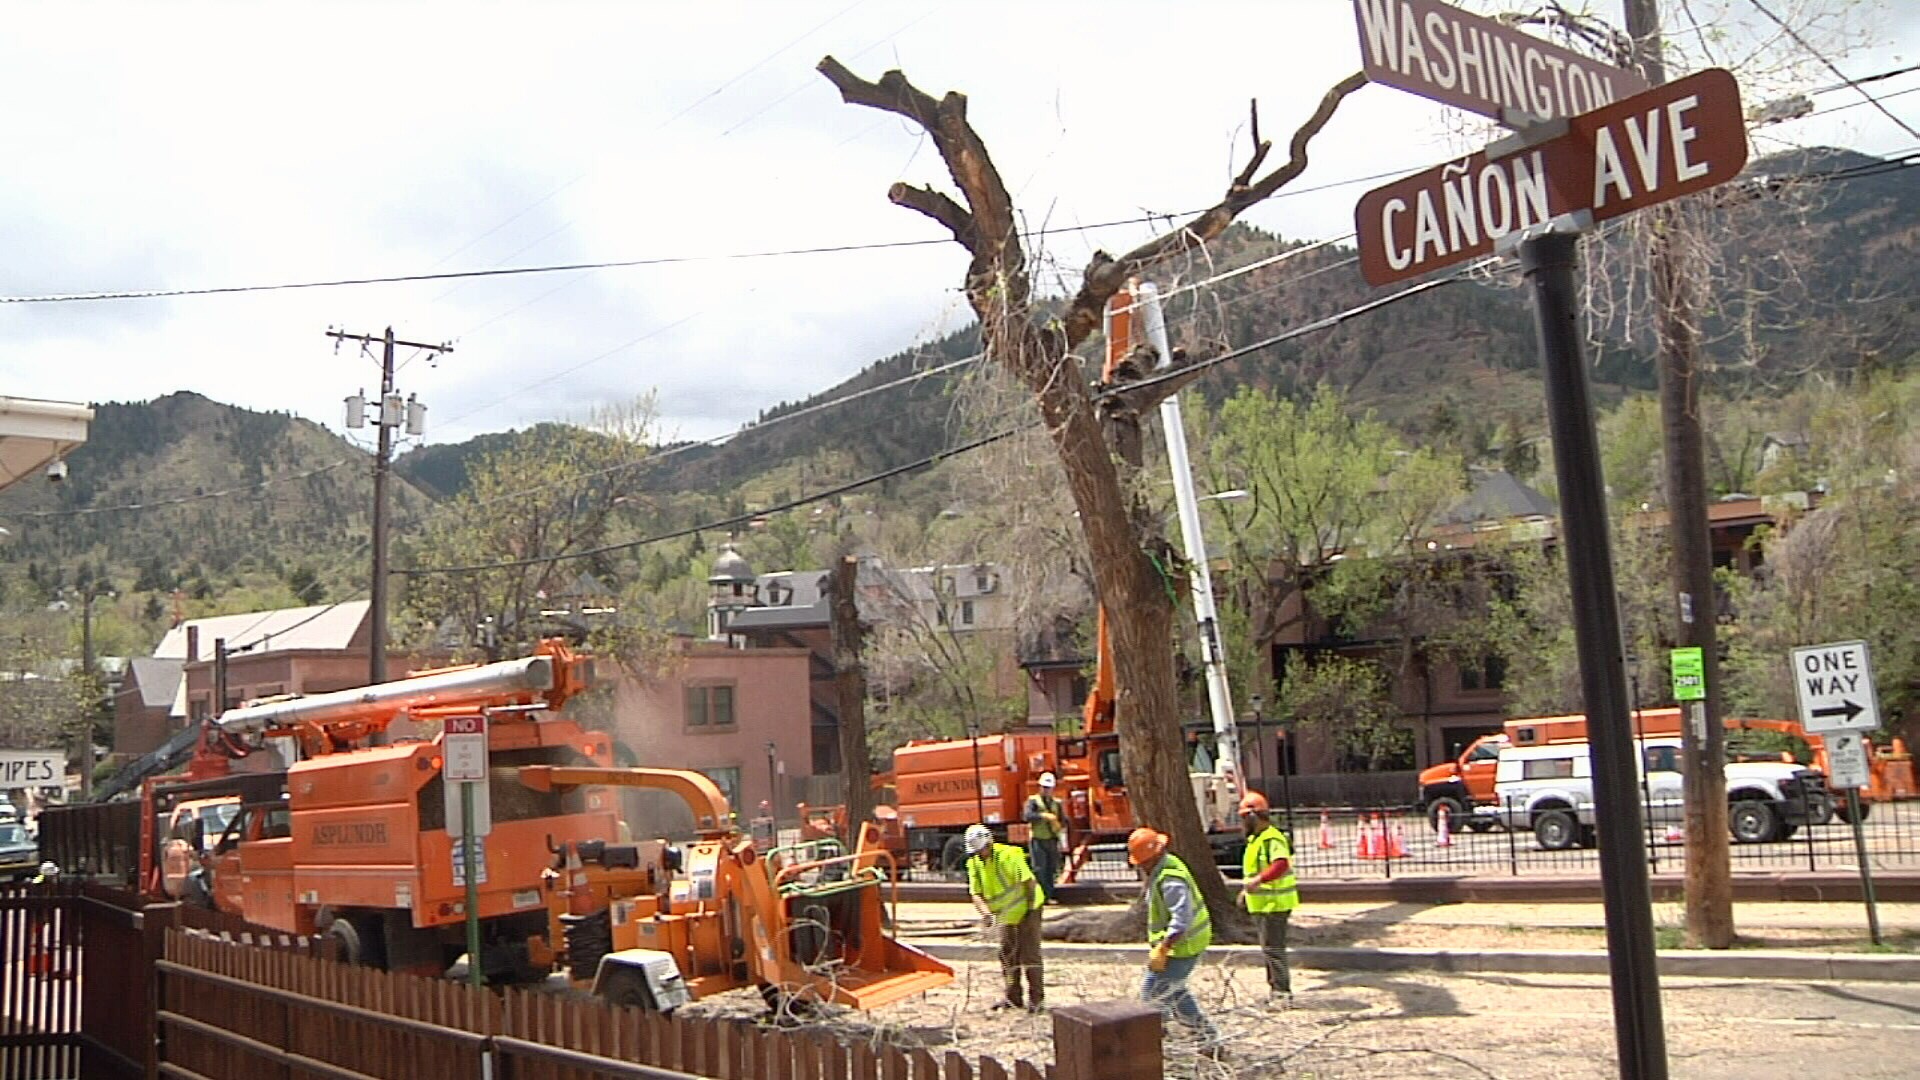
column 1753, row 822
column 346, row 936
column 953, row 855
column 625, row 987
column 1456, row 813
column 1840, row 811
column 1555, row 830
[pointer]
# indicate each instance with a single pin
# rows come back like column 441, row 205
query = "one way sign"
column 1834, row 684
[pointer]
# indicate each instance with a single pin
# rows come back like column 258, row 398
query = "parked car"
column 1549, row 789
column 19, row 854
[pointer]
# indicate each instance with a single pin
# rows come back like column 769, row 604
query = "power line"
column 924, row 373
column 156, row 504
column 1831, row 66
column 953, row 451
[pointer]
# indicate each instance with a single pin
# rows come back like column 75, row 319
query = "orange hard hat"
column 1253, row 803
column 1145, row 845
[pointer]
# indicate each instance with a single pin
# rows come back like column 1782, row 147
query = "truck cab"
column 1463, row 785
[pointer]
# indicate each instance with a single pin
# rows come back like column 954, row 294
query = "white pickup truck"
column 1549, row 789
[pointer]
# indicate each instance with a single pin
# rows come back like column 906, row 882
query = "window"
column 982, row 584
column 710, row 708
column 1662, row 759
column 1490, row 673
column 202, row 709
column 966, row 613
column 1546, row 769
column 1485, row 752
column 727, row 779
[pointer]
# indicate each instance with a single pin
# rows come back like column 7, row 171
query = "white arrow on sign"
column 1834, row 686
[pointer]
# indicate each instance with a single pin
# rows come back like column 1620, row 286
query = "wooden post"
column 155, row 921
column 1107, row 1040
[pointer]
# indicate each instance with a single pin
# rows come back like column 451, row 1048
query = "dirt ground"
column 1361, row 1026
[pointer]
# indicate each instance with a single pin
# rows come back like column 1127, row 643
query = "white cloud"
column 216, row 144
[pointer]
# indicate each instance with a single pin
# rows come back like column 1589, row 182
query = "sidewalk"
column 1776, row 939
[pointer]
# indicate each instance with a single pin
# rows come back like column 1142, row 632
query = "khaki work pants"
column 1020, row 952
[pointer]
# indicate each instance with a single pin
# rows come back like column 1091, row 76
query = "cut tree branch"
column 1106, row 274
column 938, row 206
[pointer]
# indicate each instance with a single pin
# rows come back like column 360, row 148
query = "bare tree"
column 1039, row 352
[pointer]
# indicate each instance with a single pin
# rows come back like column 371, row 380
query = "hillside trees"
column 1039, row 353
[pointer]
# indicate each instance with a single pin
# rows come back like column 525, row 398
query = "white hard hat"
column 1046, row 779
column 977, row 839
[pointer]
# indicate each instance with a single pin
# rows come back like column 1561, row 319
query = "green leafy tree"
column 538, row 504
column 1348, row 700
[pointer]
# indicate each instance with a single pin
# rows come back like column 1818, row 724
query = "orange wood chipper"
column 351, row 840
column 655, row 924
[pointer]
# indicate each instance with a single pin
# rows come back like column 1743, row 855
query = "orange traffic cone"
column 1363, row 847
column 1396, row 842
column 1675, row 835
column 1326, row 832
column 1443, row 827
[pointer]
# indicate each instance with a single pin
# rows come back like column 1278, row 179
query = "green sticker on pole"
column 1689, row 674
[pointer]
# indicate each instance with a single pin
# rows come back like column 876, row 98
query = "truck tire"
column 1456, row 813
column 953, row 855
column 1753, row 822
column 1556, row 830
column 1840, row 811
column 342, row 932
column 624, row 987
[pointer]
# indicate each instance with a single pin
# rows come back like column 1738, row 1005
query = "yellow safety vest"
column 1283, row 892
column 1199, row 934
column 1050, row 805
column 1000, row 876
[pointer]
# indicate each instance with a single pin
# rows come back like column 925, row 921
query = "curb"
column 1802, row 886
column 1759, row 964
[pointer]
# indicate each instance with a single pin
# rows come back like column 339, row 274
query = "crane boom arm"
column 549, row 677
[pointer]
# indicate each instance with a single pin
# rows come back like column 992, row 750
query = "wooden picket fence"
column 232, row 1011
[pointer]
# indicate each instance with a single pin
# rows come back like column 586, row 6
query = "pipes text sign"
column 1834, row 685
column 1670, row 141
column 1440, row 52
column 32, row 769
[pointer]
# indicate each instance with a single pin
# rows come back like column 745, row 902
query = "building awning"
column 33, row 433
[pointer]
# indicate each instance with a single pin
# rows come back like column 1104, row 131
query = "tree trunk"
column 850, row 689
column 1136, row 592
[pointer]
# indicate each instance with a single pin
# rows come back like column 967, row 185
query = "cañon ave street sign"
column 1672, row 140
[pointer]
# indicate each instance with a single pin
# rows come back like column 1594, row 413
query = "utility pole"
column 390, row 413
column 90, row 589
column 1709, row 889
column 850, row 683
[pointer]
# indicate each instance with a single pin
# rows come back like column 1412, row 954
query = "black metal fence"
column 1331, row 843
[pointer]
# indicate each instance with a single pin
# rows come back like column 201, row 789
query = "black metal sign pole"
column 1548, row 262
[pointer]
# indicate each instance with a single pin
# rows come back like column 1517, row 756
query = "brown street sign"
column 1438, row 51
column 1673, row 140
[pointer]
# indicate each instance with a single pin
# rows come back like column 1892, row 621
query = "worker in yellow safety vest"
column 1008, row 896
column 1179, row 929
column 1269, row 889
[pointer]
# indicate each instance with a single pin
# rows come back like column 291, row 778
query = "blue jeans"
column 1167, row 990
column 1045, row 857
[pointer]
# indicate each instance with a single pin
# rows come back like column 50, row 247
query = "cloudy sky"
column 180, row 146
